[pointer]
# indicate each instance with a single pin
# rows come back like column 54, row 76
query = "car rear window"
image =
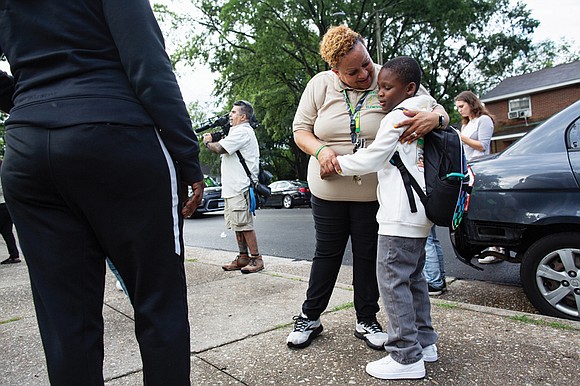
column 549, row 137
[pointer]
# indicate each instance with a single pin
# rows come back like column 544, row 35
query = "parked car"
column 212, row 200
column 526, row 199
column 288, row 193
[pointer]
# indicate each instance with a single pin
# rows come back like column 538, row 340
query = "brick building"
column 521, row 103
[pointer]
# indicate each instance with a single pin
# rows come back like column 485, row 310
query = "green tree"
column 199, row 117
column 3, row 118
column 266, row 51
column 546, row 54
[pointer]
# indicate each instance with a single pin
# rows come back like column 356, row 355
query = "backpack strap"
column 409, row 181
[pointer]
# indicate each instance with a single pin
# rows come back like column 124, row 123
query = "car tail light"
column 303, row 190
column 471, row 175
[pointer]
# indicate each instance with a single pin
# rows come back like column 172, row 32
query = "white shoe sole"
column 401, row 374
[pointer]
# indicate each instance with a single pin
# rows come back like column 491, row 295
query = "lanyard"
column 354, row 114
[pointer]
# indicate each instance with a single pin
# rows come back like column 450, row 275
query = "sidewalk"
column 239, row 325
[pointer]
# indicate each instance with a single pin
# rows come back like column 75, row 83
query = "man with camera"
column 240, row 140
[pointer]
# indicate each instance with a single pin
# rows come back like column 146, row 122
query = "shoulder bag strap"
column 245, row 166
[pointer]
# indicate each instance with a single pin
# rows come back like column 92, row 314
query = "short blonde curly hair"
column 337, row 42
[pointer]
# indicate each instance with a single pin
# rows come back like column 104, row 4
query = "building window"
column 519, row 108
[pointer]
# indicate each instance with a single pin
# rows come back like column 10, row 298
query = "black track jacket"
column 93, row 61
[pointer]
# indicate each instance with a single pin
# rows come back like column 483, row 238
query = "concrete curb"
column 240, row 340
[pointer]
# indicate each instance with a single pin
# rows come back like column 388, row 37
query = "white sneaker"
column 430, row 353
column 388, row 368
column 305, row 330
column 372, row 333
column 489, row 260
column 492, row 255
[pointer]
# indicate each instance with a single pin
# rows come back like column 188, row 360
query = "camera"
column 219, row 121
column 223, row 122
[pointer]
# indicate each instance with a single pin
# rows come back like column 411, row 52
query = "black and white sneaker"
column 372, row 333
column 435, row 291
column 305, row 330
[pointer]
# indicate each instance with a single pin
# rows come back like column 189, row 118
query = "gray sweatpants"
column 403, row 288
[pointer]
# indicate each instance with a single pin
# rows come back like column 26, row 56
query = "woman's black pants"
column 335, row 222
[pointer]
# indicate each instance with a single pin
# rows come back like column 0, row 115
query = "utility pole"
column 378, row 31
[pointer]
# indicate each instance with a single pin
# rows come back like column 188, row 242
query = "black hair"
column 406, row 68
column 246, row 108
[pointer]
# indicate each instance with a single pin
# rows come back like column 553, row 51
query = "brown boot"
column 256, row 264
column 239, row 262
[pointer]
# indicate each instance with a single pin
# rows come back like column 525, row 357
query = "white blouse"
column 479, row 129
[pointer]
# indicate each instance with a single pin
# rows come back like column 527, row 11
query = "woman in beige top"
column 338, row 113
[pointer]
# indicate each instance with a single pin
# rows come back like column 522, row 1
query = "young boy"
column 402, row 234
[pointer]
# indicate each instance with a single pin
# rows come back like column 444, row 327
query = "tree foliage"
column 3, row 118
column 267, row 50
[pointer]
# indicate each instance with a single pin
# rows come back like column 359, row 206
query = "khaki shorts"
column 237, row 213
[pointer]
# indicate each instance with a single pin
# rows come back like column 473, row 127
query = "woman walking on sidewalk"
column 6, row 231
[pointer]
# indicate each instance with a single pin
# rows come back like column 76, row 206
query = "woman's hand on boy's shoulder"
column 419, row 122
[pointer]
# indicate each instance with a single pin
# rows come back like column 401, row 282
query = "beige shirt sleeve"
column 323, row 111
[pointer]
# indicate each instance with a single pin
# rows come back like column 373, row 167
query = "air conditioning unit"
column 519, row 114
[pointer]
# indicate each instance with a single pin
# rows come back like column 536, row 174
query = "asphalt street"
column 290, row 233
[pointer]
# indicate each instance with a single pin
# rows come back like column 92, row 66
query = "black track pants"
column 76, row 196
column 6, row 231
column 335, row 222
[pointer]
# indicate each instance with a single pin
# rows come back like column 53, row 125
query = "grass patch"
column 343, row 306
column 283, row 276
column 337, row 308
column 447, row 305
column 527, row 319
column 281, row 326
column 10, row 320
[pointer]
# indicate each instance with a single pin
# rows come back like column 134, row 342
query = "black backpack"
column 446, row 178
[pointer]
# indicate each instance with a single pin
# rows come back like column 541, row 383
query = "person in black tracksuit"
column 6, row 226
column 97, row 143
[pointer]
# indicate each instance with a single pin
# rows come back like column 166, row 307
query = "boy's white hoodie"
column 394, row 215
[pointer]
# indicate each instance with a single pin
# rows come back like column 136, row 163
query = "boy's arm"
column 422, row 122
column 378, row 154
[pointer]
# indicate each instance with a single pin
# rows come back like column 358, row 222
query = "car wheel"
column 550, row 274
column 287, row 202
